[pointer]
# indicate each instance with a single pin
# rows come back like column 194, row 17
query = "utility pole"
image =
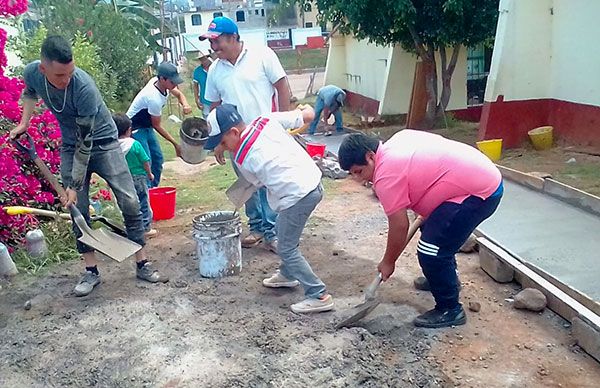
column 162, row 30
column 181, row 42
column 173, row 39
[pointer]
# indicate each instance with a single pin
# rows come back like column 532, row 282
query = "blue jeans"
column 261, row 218
column 442, row 234
column 290, row 224
column 319, row 106
column 140, row 183
column 108, row 161
column 147, row 137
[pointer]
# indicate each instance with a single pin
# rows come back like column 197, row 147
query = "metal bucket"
column 218, row 243
column 193, row 134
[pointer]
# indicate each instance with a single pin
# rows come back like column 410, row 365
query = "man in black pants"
column 450, row 184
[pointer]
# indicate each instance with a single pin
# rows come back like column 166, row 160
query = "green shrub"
column 86, row 56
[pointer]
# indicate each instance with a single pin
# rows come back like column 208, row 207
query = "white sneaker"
column 324, row 303
column 151, row 233
column 280, row 281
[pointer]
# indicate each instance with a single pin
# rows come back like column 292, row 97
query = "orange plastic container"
column 162, row 202
column 315, row 149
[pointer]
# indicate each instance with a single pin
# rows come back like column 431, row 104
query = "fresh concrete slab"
column 560, row 239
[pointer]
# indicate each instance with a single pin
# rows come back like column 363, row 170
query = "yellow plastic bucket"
column 541, row 138
column 491, row 148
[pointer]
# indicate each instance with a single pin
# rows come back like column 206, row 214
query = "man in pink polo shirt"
column 450, row 184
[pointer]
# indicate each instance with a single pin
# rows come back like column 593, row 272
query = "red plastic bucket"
column 162, row 202
column 315, row 149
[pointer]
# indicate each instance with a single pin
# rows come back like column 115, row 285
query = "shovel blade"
column 240, row 192
column 359, row 312
column 111, row 244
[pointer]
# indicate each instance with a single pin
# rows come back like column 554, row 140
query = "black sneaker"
column 435, row 318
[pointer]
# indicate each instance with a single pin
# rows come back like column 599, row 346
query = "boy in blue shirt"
column 200, row 76
column 138, row 162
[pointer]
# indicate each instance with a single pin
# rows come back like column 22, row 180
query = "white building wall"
column 521, row 64
column 366, row 67
column 385, row 73
column 546, row 49
column 575, row 54
column 300, row 35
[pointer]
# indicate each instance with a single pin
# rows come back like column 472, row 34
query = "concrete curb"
column 586, row 324
column 561, row 191
column 522, row 178
column 573, row 196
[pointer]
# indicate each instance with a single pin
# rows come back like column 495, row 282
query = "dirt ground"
column 232, row 332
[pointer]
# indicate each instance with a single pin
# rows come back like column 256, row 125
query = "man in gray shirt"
column 89, row 145
column 330, row 99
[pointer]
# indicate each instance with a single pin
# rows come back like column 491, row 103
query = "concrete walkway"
column 559, row 238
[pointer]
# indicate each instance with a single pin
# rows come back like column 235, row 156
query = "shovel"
column 111, row 244
column 240, row 192
column 371, row 301
column 19, row 210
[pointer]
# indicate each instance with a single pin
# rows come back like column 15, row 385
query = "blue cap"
column 220, row 120
column 220, row 25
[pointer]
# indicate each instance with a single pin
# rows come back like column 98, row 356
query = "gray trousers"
column 289, row 226
column 109, row 162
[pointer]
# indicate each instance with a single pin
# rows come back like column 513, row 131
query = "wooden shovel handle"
column 50, row 177
column 412, row 229
column 46, row 173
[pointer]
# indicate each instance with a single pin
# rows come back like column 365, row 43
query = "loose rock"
column 530, row 299
column 421, row 283
column 475, row 306
column 27, row 305
column 470, row 245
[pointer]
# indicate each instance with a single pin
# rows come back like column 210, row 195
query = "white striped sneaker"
column 280, row 281
column 311, row 305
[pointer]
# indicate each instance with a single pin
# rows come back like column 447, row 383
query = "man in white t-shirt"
column 253, row 80
column 267, row 156
column 145, row 114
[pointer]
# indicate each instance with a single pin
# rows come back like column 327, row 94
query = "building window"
column 217, row 14
column 256, row 12
column 196, row 20
column 307, row 8
column 240, row 16
column 308, row 24
column 262, row 12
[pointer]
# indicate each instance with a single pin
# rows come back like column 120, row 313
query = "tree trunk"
column 431, row 87
column 447, row 72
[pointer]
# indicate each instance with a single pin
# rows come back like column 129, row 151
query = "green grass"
column 207, row 190
column 61, row 248
column 583, row 176
column 307, row 59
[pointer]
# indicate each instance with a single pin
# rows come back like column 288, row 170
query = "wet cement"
column 561, row 239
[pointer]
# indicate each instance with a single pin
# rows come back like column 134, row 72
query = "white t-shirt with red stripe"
column 247, row 84
column 269, row 156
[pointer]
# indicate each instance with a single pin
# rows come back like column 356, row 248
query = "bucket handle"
column 196, row 237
